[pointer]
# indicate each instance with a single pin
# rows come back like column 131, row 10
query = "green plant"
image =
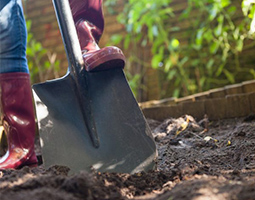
column 134, row 81
column 145, row 16
column 248, row 7
column 42, row 63
column 215, row 39
column 221, row 39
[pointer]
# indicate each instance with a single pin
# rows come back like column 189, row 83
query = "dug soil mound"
column 196, row 160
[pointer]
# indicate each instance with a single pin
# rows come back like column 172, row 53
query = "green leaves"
column 224, row 3
column 218, row 29
column 248, row 7
column 156, row 59
column 229, row 75
column 116, row 39
column 196, row 62
column 213, row 12
column 199, row 38
column 174, row 44
column 133, row 81
column 42, row 63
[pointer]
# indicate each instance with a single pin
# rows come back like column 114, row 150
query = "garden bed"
column 197, row 160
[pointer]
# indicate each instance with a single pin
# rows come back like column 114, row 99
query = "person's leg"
column 17, row 110
column 90, row 11
column 89, row 21
column 12, row 37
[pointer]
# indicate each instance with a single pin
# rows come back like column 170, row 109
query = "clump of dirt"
column 197, row 160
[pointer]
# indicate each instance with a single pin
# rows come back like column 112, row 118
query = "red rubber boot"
column 89, row 21
column 18, row 120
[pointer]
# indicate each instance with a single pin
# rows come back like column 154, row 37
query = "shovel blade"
column 125, row 143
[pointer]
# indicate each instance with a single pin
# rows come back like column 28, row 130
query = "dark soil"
column 197, row 160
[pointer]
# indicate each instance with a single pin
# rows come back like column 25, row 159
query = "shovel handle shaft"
column 69, row 35
column 75, row 60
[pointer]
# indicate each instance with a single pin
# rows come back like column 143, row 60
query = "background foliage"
column 201, row 64
column 42, row 64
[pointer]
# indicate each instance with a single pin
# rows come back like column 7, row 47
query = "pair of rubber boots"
column 17, row 109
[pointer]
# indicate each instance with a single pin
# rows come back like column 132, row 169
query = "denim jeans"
column 13, row 37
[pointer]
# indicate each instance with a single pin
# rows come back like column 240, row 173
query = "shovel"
column 90, row 120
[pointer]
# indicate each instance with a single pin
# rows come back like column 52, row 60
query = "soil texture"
column 196, row 160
